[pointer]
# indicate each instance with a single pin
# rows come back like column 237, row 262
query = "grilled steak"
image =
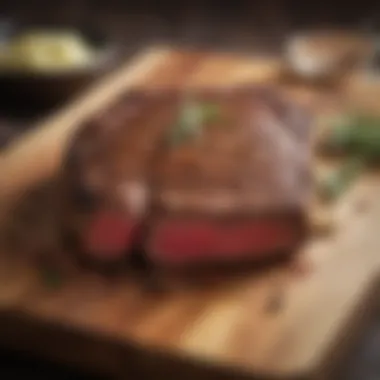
column 190, row 177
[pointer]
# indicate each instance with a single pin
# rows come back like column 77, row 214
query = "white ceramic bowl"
column 326, row 53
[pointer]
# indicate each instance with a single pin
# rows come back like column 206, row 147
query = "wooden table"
column 224, row 329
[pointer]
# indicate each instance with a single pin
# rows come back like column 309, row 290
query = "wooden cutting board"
column 275, row 323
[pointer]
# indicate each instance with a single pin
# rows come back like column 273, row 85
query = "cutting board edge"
column 80, row 108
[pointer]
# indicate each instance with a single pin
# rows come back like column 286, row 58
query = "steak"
column 106, row 173
column 190, row 177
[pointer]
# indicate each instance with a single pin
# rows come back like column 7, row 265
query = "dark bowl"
column 45, row 89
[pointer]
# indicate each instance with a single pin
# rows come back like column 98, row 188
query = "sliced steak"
column 236, row 188
column 190, row 177
column 105, row 179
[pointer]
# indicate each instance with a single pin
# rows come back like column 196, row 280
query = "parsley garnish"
column 191, row 120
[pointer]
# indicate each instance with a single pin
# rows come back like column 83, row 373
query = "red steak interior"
column 109, row 235
column 188, row 241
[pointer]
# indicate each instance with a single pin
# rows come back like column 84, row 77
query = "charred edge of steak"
column 78, row 197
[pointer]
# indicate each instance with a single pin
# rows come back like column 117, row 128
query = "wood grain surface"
column 289, row 321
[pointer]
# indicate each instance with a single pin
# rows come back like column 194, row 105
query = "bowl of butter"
column 46, row 64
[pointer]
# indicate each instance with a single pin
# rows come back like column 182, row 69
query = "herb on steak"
column 338, row 182
column 211, row 112
column 191, row 120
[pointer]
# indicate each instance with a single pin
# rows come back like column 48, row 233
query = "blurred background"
column 244, row 26
column 233, row 24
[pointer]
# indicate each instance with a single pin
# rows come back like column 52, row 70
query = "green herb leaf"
column 339, row 139
column 211, row 112
column 355, row 136
column 191, row 120
column 334, row 185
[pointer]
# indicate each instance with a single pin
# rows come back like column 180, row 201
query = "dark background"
column 234, row 25
column 228, row 24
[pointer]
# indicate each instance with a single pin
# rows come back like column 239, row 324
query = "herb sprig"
column 335, row 184
column 192, row 118
column 357, row 137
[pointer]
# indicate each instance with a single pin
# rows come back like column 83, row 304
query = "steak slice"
column 237, row 188
column 105, row 180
